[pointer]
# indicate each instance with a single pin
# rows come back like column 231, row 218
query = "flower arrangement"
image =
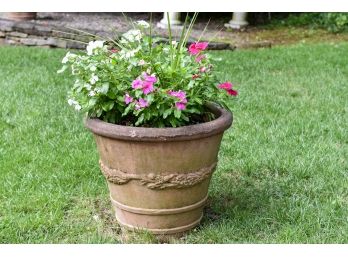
column 139, row 80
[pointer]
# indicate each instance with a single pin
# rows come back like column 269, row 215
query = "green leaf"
column 138, row 93
column 128, row 108
column 190, row 84
column 140, row 119
column 104, row 88
column 167, row 113
column 177, row 113
column 91, row 102
column 107, row 106
column 120, row 98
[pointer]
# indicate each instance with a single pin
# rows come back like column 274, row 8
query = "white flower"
column 94, row 45
column 88, row 86
column 143, row 24
column 127, row 54
column 131, row 36
column 62, row 69
column 93, row 68
column 92, row 93
column 141, row 62
column 71, row 102
column 77, row 107
column 67, row 57
column 93, row 79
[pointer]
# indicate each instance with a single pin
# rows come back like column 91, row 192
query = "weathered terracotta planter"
column 158, row 177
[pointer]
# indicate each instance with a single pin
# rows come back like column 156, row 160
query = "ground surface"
column 282, row 175
column 252, row 37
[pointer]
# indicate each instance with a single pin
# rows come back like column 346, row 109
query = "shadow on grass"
column 248, row 196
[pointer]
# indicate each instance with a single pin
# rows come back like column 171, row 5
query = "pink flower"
column 200, row 58
column 147, row 87
column 196, row 48
column 195, row 76
column 228, row 87
column 202, row 69
column 149, row 78
column 128, row 99
column 137, row 84
column 232, row 92
column 180, row 105
column 181, row 95
column 142, row 103
column 178, row 94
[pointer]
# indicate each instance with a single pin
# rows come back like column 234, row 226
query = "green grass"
column 282, row 175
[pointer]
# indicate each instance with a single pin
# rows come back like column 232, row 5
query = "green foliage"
column 334, row 22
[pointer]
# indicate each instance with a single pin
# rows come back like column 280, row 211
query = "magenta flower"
column 196, row 48
column 181, row 95
column 142, row 103
column 200, row 58
column 137, row 84
column 180, row 105
column 228, row 87
column 128, row 99
column 178, row 94
column 147, row 87
column 232, row 92
column 149, row 78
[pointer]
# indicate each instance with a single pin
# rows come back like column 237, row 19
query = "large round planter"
column 158, row 177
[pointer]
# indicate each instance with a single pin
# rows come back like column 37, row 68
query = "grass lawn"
column 282, row 175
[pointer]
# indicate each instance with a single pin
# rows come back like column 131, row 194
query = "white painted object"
column 174, row 19
column 238, row 21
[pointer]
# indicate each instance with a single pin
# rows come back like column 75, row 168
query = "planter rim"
column 219, row 125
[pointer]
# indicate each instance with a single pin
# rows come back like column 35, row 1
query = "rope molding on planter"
column 158, row 181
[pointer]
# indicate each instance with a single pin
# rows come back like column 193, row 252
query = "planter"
column 158, row 177
column 21, row 16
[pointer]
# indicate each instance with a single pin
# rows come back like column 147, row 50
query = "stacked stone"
column 32, row 34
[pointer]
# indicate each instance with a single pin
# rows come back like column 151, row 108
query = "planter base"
column 134, row 219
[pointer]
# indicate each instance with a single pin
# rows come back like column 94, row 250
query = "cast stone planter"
column 158, row 178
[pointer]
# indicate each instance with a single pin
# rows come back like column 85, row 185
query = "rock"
column 32, row 41
column 75, row 45
column 11, row 41
column 17, row 34
column 42, row 30
column 2, row 34
column 24, row 27
column 6, row 25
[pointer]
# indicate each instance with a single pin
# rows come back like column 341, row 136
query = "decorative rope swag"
column 158, row 181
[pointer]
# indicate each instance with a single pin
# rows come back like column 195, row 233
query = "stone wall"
column 30, row 33
column 33, row 34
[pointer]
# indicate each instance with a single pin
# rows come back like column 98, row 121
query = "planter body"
column 158, row 178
